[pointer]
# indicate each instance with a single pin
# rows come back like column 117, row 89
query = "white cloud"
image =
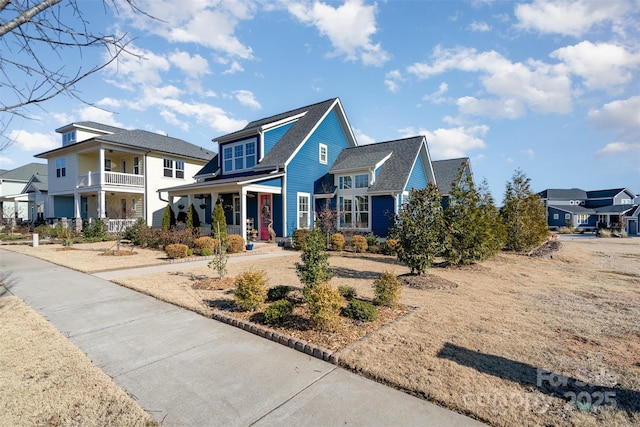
column 362, row 138
column 109, row 103
column 95, row 114
column 210, row 24
column 482, row 27
column 623, row 117
column 194, row 66
column 213, row 116
column 568, row 17
column 235, row 67
column 453, row 142
column 34, row 141
column 392, row 80
column 436, row 97
column 601, row 65
column 617, row 148
column 349, row 27
column 6, row 162
column 529, row 153
column 541, row 87
column 142, row 69
column 247, row 98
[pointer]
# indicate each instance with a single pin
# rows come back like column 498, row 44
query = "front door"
column 265, row 216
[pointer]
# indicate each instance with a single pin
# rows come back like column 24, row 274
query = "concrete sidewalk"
column 188, row 370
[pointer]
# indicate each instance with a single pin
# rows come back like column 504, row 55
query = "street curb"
column 279, row 338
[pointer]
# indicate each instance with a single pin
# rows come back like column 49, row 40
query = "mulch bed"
column 426, row 281
column 546, row 250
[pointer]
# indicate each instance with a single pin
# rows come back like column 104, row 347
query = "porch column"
column 101, row 168
column 243, row 213
column 101, row 204
column 76, row 211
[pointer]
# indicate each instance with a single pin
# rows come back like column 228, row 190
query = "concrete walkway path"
column 188, row 370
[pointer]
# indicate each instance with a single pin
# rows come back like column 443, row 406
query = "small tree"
column 314, row 267
column 493, row 222
column 219, row 223
column 219, row 261
column 469, row 223
column 169, row 218
column 419, row 228
column 523, row 215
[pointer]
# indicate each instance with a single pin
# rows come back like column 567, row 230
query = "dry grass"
column 47, row 381
column 489, row 340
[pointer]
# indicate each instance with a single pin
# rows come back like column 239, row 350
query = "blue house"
column 277, row 173
column 589, row 210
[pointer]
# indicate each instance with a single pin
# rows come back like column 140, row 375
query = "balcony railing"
column 117, row 179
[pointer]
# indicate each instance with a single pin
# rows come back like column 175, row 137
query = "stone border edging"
column 277, row 337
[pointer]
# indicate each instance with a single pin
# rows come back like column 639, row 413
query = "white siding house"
column 102, row 171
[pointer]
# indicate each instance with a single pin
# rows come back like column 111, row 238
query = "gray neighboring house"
column 14, row 203
column 590, row 210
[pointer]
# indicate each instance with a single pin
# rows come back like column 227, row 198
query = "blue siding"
column 271, row 137
column 381, row 215
column 277, row 214
column 561, row 221
column 63, row 207
column 306, row 168
column 418, row 177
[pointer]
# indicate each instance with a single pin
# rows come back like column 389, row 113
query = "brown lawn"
column 518, row 341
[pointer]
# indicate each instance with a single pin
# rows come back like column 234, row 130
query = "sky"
column 551, row 88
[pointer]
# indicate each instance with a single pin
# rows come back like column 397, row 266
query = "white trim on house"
column 307, row 211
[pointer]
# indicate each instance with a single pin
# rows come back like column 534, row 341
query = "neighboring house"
column 14, row 202
column 589, row 209
column 36, row 191
column 277, row 172
column 103, row 171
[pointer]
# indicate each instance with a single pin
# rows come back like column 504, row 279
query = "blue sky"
column 549, row 87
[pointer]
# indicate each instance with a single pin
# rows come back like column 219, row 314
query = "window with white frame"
column 108, row 166
column 354, row 211
column 345, row 183
column 61, row 167
column 179, row 169
column 323, row 153
column 362, row 212
column 345, row 206
column 582, row 219
column 68, row 138
column 236, row 210
column 239, row 156
column 362, row 181
column 168, row 168
column 304, row 210
column 136, row 165
column 567, row 216
column 134, row 204
column 556, row 216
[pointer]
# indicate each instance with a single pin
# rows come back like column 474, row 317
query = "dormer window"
column 239, row 156
column 69, row 138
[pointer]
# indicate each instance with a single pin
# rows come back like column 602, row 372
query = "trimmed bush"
column 205, row 242
column 168, row 218
column 278, row 292
column 206, row 252
column 235, row 243
column 347, row 291
column 391, row 246
column 387, row 289
column 251, row 289
column 372, row 239
column 300, row 237
column 177, row 250
column 337, row 241
column 324, row 306
column 95, row 230
column 278, row 311
column 359, row 243
column 360, row 310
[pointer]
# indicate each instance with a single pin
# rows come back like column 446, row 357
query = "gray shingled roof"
column 612, row 192
column 148, row 141
column 25, row 172
column 93, row 125
column 445, row 172
column 394, row 173
column 38, row 182
column 563, row 194
column 210, row 167
column 574, row 209
column 156, row 142
column 613, row 209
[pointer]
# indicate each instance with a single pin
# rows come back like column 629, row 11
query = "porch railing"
column 111, row 178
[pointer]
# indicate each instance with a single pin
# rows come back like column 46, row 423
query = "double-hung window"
column 108, row 167
column 68, row 138
column 304, row 213
column 362, row 181
column 179, row 169
column 323, row 154
column 345, row 183
column 168, row 168
column 345, row 205
column 239, row 156
column 61, row 167
column 136, row 165
column 353, row 201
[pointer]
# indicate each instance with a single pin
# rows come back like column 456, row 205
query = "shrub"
column 372, row 239
column 278, row 311
column 219, row 223
column 300, row 237
column 136, row 233
column 391, row 246
column 95, row 230
column 387, row 289
column 251, row 289
column 603, row 232
column 324, row 306
column 360, row 310
column 44, row 231
column 168, row 218
column 204, row 242
column 564, row 230
column 206, row 252
column 177, row 250
column 337, row 241
column 235, row 243
column 314, row 267
column 347, row 291
column 359, row 243
column 278, row 292
column 185, row 237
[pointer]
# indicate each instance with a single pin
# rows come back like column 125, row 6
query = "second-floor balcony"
column 113, row 179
